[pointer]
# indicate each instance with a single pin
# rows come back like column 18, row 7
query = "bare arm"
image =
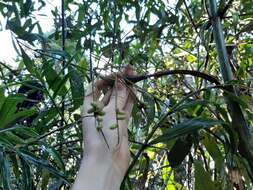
column 106, row 154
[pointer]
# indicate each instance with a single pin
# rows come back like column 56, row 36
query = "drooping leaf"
column 214, row 151
column 39, row 162
column 27, row 61
column 27, row 181
column 179, row 151
column 14, row 139
column 5, row 170
column 203, row 178
column 186, row 127
column 56, row 157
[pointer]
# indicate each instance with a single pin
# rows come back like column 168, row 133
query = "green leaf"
column 26, row 131
column 179, row 151
column 186, row 127
column 190, row 58
column 13, row 138
column 59, row 87
column 168, row 176
column 25, row 11
column 46, row 117
column 55, row 81
column 247, row 28
column 39, row 162
column 237, row 99
column 193, row 104
column 26, row 174
column 77, row 89
column 9, row 108
column 15, row 165
column 20, row 115
column 5, row 170
column 214, row 151
column 45, row 179
column 2, row 97
column 202, row 178
column 27, row 61
column 150, row 106
column 55, row 156
column 179, row 4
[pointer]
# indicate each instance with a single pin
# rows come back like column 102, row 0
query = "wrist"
column 98, row 173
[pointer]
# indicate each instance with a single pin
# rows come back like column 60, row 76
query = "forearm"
column 97, row 173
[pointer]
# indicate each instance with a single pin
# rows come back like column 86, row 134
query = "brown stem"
column 138, row 78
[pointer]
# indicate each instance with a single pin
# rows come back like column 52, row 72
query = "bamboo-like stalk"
column 220, row 42
column 239, row 123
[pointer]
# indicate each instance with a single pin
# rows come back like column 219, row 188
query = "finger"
column 129, row 70
column 93, row 93
column 128, row 111
column 95, row 89
column 129, row 105
column 119, row 96
column 105, row 100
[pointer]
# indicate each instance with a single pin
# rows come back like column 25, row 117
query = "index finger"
column 93, row 93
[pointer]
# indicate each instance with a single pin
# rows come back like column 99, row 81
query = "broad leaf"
column 202, row 178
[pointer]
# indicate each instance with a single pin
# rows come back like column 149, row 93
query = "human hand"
column 106, row 135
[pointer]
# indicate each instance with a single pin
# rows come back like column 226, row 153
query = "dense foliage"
column 187, row 131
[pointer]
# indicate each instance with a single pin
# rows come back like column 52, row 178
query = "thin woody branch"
column 138, row 78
